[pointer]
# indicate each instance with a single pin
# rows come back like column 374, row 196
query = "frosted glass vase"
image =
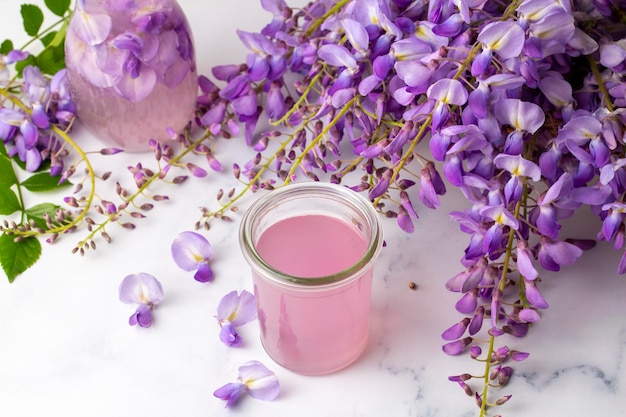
column 131, row 68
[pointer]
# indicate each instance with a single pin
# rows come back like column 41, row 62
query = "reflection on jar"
column 131, row 68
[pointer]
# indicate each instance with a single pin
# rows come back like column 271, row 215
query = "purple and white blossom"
column 255, row 379
column 193, row 252
column 146, row 292
column 235, row 310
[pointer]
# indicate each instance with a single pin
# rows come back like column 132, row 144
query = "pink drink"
column 311, row 247
column 324, row 329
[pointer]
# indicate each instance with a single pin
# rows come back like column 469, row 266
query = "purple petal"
column 529, row 315
column 190, row 249
column 368, row 84
column 275, row 7
column 563, row 253
column 593, row 196
column 481, row 62
column 381, row 186
column 381, row 66
column 414, row 73
column 92, row 29
column 238, row 309
column 500, row 215
column 522, row 115
column 140, row 288
column 534, row 296
column 142, row 317
column 260, row 382
column 215, row 115
column 356, row 34
column 557, row 91
column 229, row 335
column 230, row 392
column 427, row 194
column 245, row 105
column 259, row 43
column 477, row 321
column 517, row 356
column 138, row 86
column 524, row 262
column 456, row 330
column 448, row 91
column 507, row 38
column 337, row 56
column 16, row 55
column 404, row 221
column 204, row 273
column 258, row 67
column 467, row 304
column 455, row 283
column 33, row 159
column 518, row 166
column 457, row 347
column 275, row 107
column 11, row 117
column 225, row 72
column 341, row 97
column 612, row 54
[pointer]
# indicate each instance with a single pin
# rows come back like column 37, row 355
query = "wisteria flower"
column 192, row 252
column 256, row 379
column 235, row 310
column 145, row 291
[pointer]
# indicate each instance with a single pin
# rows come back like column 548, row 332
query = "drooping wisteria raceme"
column 521, row 104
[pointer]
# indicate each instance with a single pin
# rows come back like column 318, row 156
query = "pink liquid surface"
column 317, row 331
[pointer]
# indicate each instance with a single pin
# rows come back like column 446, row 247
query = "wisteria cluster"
column 27, row 128
column 521, row 103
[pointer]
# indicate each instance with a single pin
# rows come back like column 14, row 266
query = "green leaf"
column 6, row 47
column 58, row 7
column 32, row 17
column 51, row 60
column 48, row 38
column 17, row 257
column 9, row 203
column 7, row 174
column 43, row 182
column 36, row 213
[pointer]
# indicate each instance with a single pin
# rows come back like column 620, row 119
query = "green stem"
column 326, row 15
column 316, row 140
column 43, row 32
column 501, row 286
column 140, row 191
column 301, row 99
column 596, row 74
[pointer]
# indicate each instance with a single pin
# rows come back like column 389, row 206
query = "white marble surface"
column 66, row 349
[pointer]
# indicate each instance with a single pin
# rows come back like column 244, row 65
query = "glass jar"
column 312, row 247
column 131, row 69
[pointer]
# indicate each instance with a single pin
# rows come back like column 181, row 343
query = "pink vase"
column 131, row 69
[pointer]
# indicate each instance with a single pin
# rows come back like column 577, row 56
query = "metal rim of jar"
column 311, row 190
